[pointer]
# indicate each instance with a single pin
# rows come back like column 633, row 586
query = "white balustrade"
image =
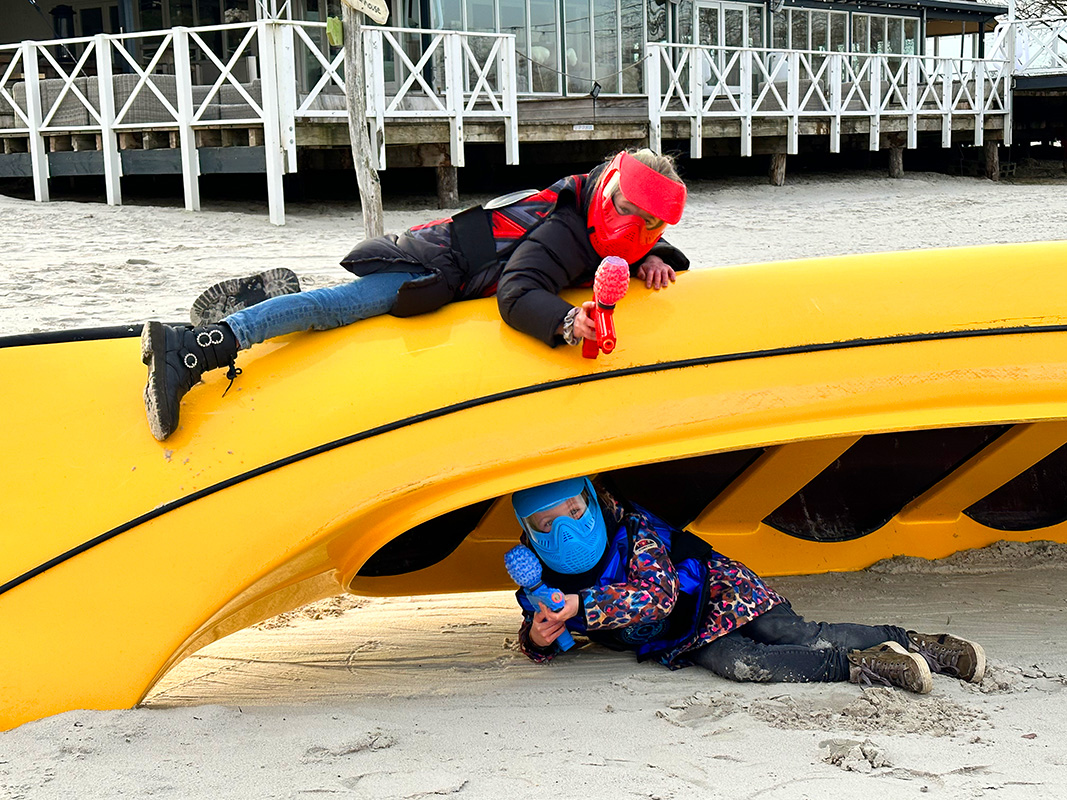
column 699, row 83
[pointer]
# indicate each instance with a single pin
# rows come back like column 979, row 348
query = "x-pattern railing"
column 144, row 81
column 760, row 82
column 448, row 80
column 226, row 74
column 1040, row 45
column 331, row 73
column 7, row 85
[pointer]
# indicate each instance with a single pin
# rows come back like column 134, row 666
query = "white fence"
column 251, row 82
column 1040, row 46
column 267, row 75
column 696, row 83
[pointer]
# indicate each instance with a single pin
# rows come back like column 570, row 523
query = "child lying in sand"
column 631, row 582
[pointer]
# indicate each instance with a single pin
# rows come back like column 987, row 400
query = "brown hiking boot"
column 949, row 655
column 887, row 665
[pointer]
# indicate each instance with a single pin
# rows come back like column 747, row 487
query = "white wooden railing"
column 104, row 90
column 456, row 76
column 1040, row 46
column 181, row 86
column 697, row 83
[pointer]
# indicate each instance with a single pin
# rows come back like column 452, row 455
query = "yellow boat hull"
column 804, row 417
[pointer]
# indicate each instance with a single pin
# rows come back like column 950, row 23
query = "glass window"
column 606, row 44
column 633, row 27
column 578, row 64
column 657, row 21
column 878, row 37
column 800, row 24
column 755, row 26
column 151, row 15
column 481, row 16
column 684, row 15
column 838, row 28
column 820, row 30
column 513, row 21
column 861, row 33
column 780, row 30
column 894, row 35
column 708, row 26
column 447, row 15
column 92, row 21
column 911, row 36
column 544, row 46
column 181, row 13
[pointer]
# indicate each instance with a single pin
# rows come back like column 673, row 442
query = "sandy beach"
column 421, row 697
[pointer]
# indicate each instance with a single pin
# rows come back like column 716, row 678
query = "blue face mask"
column 573, row 544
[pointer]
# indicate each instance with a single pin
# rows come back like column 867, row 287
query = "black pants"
column 780, row 645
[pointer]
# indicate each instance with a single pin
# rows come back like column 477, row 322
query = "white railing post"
column 876, row 102
column 273, row 151
column 655, row 101
column 696, row 103
column 793, row 104
column 979, row 102
column 746, row 102
column 190, row 156
column 1009, row 71
column 454, row 69
column 287, row 99
column 911, row 64
column 109, row 144
column 946, row 98
column 507, row 70
column 374, row 69
column 837, row 63
column 38, row 150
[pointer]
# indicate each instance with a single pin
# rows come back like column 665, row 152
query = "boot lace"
column 940, row 657
column 882, row 675
column 231, row 374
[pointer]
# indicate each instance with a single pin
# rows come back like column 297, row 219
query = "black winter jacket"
column 527, row 275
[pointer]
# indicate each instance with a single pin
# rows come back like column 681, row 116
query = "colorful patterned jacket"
column 658, row 592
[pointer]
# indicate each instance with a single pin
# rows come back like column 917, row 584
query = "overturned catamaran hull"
column 804, row 416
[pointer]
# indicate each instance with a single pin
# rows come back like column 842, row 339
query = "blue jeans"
column 318, row 309
column 780, row 645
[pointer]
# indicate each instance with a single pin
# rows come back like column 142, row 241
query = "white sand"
column 425, row 697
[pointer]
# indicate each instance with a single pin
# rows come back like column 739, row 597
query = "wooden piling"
column 447, row 186
column 992, row 160
column 896, row 162
column 777, row 170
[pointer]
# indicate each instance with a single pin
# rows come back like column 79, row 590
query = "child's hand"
column 548, row 625
column 656, row 273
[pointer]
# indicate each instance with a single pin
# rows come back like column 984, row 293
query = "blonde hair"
column 664, row 165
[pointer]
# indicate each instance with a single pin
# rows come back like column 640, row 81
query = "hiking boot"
column 950, row 655
column 889, row 664
column 235, row 294
column 176, row 357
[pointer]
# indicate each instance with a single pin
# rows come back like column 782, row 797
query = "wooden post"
column 777, row 170
column 447, row 186
column 896, row 162
column 992, row 160
column 370, row 190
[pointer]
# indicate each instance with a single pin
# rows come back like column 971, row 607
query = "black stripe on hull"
column 643, row 369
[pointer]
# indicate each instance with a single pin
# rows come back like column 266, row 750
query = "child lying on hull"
column 525, row 251
column 632, row 582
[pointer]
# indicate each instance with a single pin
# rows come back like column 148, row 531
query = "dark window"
column 874, row 479
column 92, row 21
column 425, row 544
column 677, row 491
column 1035, row 498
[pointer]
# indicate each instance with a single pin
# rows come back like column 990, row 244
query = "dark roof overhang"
column 935, row 9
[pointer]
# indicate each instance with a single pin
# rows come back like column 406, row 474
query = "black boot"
column 176, row 358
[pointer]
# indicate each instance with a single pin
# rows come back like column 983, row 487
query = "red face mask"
column 627, row 235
